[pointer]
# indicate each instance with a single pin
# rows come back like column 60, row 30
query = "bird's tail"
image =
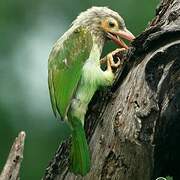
column 79, row 155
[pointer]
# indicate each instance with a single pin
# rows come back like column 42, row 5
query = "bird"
column 75, row 73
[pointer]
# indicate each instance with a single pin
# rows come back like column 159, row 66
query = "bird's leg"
column 107, row 76
column 110, row 58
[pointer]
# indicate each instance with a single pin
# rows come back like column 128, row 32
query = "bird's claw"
column 111, row 59
column 117, row 50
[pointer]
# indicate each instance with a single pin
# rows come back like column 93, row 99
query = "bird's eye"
column 111, row 24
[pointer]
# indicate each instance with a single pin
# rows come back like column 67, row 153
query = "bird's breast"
column 88, row 84
column 90, row 73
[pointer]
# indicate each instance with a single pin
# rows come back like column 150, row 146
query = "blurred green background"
column 28, row 30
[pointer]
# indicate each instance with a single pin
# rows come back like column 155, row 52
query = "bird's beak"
column 125, row 34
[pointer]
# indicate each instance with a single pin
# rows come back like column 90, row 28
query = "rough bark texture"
column 133, row 128
column 13, row 163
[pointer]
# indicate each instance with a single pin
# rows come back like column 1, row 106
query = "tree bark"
column 133, row 128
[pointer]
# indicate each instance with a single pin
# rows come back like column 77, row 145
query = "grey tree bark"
column 133, row 128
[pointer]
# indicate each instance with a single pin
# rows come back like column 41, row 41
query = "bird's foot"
column 109, row 58
column 117, row 51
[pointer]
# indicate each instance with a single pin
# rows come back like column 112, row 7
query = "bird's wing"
column 65, row 68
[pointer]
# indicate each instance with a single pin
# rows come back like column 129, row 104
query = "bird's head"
column 105, row 23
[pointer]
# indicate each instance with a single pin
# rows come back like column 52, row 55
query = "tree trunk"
column 133, row 128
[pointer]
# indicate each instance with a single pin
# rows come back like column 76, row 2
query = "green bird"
column 74, row 73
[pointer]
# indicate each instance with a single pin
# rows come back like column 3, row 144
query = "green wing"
column 65, row 68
